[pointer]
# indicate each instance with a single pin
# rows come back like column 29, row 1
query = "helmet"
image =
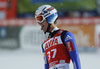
column 46, row 12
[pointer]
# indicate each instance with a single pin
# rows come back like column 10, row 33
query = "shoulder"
column 42, row 48
column 67, row 36
column 65, row 32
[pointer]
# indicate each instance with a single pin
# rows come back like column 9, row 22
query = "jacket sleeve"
column 69, row 42
column 46, row 65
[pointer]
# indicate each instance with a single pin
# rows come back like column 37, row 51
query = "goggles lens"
column 40, row 19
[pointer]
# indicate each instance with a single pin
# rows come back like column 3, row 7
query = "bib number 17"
column 49, row 54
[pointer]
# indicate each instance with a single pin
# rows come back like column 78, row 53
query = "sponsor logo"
column 62, row 61
column 60, row 32
column 70, row 46
column 50, row 43
column 68, row 38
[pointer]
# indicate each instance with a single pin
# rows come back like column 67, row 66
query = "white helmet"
column 46, row 12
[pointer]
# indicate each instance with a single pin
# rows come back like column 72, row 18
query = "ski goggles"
column 40, row 19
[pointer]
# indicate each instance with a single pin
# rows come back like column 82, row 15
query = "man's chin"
column 44, row 32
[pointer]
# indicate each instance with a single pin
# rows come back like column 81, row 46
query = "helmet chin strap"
column 47, row 28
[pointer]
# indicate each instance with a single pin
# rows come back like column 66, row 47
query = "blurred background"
column 21, row 37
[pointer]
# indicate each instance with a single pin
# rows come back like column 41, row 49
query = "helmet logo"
column 47, row 11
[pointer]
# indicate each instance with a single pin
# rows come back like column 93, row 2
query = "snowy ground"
column 24, row 59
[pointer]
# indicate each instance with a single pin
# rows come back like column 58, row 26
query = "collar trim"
column 55, row 29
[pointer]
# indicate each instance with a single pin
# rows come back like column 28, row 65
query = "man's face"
column 44, row 26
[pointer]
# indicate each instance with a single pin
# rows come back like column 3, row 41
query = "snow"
column 32, row 59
